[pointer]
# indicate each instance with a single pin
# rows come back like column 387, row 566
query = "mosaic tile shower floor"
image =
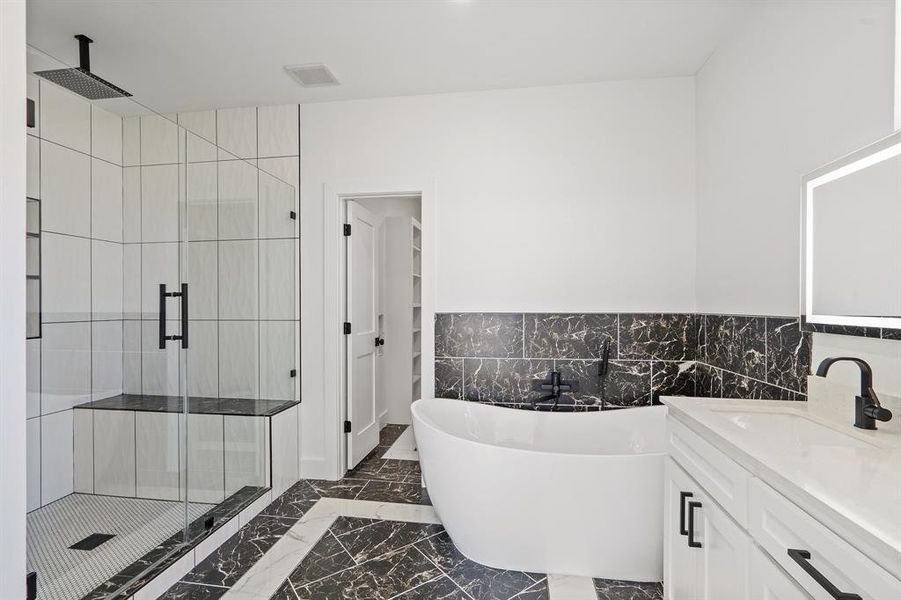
column 138, row 525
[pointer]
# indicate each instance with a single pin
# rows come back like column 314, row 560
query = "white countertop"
column 855, row 491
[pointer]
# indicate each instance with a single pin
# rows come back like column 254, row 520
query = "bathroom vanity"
column 780, row 500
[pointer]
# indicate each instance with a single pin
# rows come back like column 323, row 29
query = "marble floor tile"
column 393, row 491
column 442, row 588
column 326, row 558
column 192, row 591
column 477, row 580
column 541, row 591
column 231, row 560
column 268, row 575
column 611, row 589
column 380, row 578
column 379, row 537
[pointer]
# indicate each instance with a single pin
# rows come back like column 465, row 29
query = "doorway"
column 383, row 309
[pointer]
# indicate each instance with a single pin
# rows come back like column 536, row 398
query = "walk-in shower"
column 163, row 346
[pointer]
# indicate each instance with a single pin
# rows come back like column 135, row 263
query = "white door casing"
column 361, row 304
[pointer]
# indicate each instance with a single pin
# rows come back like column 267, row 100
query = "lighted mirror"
column 852, row 239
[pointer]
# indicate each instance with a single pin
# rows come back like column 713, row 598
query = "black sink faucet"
column 867, row 409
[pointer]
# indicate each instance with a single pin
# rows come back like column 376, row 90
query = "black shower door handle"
column 183, row 296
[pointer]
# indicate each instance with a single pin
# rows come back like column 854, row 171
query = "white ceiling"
column 186, row 55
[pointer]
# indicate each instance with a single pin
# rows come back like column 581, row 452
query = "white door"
column 361, row 350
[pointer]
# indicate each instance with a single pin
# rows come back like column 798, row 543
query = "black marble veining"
column 449, row 378
column 377, row 579
column 611, row 589
column 788, row 353
column 482, row 335
column 569, row 335
column 233, row 558
column 479, row 581
column 507, row 381
column 669, row 336
column 196, row 405
column 737, row 344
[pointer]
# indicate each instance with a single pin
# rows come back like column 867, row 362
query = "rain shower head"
column 80, row 79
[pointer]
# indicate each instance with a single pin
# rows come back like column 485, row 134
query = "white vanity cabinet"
column 707, row 553
column 731, row 536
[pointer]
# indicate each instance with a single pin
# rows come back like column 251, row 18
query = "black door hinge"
column 346, row 426
column 31, row 586
column 292, row 215
column 29, row 113
column 293, row 373
column 346, row 328
column 346, row 229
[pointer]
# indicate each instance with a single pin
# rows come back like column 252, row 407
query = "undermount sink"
column 789, row 429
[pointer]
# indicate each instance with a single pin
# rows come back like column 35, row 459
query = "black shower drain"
column 92, row 541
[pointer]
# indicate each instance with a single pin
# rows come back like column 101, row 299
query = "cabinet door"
column 769, row 582
column 726, row 553
column 682, row 576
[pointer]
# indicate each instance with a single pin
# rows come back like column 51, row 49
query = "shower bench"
column 135, row 446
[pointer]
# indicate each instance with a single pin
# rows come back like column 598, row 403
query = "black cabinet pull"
column 682, row 497
column 691, row 524
column 183, row 295
column 802, row 557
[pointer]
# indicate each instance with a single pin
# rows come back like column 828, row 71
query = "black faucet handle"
column 874, row 411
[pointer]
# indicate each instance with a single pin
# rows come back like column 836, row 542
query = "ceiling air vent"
column 312, row 75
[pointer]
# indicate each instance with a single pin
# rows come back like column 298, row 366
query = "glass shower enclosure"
column 165, row 337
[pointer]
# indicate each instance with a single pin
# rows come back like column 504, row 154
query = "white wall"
column 802, row 83
column 74, row 170
column 12, row 300
column 587, row 188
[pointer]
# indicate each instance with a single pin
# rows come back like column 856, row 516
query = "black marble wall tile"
column 449, row 378
column 503, row 380
column 628, row 383
column 673, row 379
column 483, row 335
column 569, row 335
column 659, row 336
column 739, row 386
column 788, row 353
column 708, row 381
column 737, row 344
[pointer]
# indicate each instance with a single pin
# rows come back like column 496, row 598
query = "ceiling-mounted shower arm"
column 84, row 51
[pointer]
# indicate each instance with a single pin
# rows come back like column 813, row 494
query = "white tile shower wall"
column 112, row 188
column 243, row 250
column 74, row 161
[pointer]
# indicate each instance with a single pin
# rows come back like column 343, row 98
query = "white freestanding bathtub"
column 564, row 493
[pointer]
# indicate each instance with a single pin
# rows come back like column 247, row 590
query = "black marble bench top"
column 246, row 407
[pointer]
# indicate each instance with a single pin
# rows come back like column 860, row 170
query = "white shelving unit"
column 402, row 316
